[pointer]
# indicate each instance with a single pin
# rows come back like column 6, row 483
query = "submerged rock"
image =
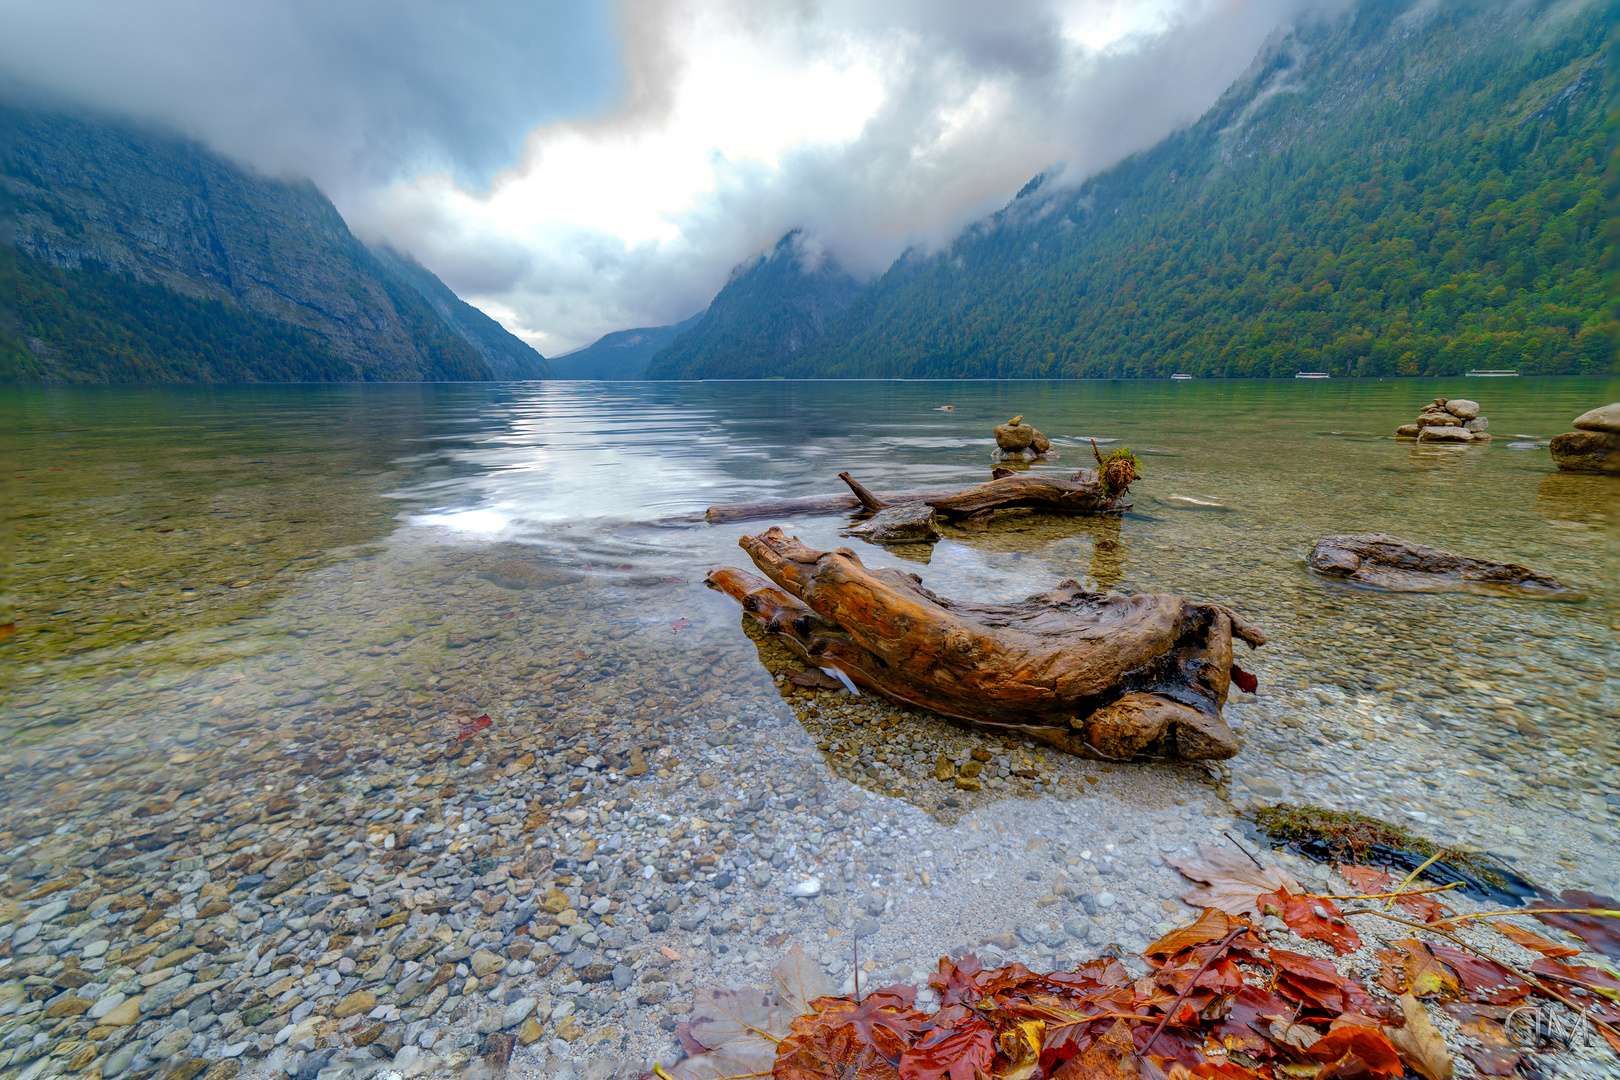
column 908, row 523
column 1388, row 562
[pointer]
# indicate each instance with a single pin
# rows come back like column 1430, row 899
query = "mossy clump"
column 1117, row 471
column 1344, row 835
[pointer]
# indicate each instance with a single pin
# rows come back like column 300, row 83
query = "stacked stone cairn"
column 1594, row 445
column 1018, row 440
column 1454, row 420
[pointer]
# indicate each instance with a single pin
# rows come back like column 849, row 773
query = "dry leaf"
column 1212, row 925
column 1233, row 883
column 1425, row 975
column 721, row 1017
column 1535, row 942
column 797, row 981
column 1419, row 1043
column 734, row 1062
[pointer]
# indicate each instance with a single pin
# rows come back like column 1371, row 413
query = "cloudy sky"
column 578, row 167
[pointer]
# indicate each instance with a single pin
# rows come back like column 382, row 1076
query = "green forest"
column 1409, row 204
column 106, row 327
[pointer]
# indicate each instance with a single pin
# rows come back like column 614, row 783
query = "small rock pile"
column 1594, row 445
column 1455, row 420
column 1016, row 439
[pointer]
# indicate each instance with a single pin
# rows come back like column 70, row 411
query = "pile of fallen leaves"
column 1222, row 998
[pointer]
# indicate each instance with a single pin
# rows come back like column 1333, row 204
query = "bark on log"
column 1114, row 677
column 814, row 504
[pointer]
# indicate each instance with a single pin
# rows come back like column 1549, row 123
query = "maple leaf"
column 1110, row 1057
column 1213, row 924
column 797, row 981
column 1426, row 976
column 1301, row 915
column 1420, row 1045
column 734, row 1062
column 1535, row 942
column 1232, row 883
column 1310, row 981
column 867, row 1037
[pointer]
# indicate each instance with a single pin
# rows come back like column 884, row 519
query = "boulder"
column 1603, row 418
column 1015, row 435
column 1462, row 408
column 1586, row 451
column 1407, row 431
column 1438, row 419
column 1381, row 561
column 1445, row 434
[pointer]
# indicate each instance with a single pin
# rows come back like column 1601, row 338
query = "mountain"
column 1409, row 189
column 621, row 355
column 507, row 356
column 773, row 308
column 135, row 256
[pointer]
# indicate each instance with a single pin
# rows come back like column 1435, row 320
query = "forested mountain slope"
column 774, row 307
column 1409, row 189
column 134, row 256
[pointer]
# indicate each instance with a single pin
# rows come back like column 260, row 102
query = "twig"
column 1241, row 848
column 855, row 943
column 1525, row 975
column 1185, row 990
column 1430, row 861
column 1386, row 895
column 1605, row 912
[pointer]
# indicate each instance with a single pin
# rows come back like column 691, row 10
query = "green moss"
column 1348, row 833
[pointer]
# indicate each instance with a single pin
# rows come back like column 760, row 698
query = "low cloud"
column 577, row 170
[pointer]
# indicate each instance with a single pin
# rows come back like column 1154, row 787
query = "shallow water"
column 185, row 552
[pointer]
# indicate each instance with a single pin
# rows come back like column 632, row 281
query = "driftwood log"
column 1035, row 491
column 1108, row 676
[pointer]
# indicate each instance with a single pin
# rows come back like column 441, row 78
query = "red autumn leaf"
column 1535, row 942
column 882, row 1021
column 680, row 624
column 953, row 1055
column 956, row 982
column 473, row 727
column 1310, row 981
column 1601, row 932
column 823, row 1052
column 1481, row 979
column 1426, row 976
column 1245, row 682
column 1376, row 883
column 1593, row 979
column 1315, row 918
column 1369, row 1045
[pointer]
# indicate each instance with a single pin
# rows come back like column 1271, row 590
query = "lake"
column 313, row 585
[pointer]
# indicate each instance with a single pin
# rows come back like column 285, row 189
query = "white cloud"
column 874, row 126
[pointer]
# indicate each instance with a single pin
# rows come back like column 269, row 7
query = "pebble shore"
column 287, row 864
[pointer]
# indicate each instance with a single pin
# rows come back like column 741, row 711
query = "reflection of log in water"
column 1102, row 675
column 1107, row 552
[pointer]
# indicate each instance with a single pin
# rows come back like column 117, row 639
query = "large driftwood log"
column 1035, row 491
column 1108, row 676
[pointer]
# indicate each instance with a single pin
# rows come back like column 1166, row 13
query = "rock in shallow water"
column 908, row 523
column 1388, row 562
column 1586, row 451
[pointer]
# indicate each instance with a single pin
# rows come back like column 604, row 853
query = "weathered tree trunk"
column 1108, row 676
column 1015, row 490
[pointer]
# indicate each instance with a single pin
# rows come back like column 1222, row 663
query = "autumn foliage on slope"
column 1222, row 1000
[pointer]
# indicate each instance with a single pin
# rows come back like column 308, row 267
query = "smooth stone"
column 1077, row 927
column 1603, row 418
column 1407, row 431
column 1586, row 451
column 907, row 523
column 519, row 1011
column 124, row 1015
column 358, row 1002
column 483, row 962
column 119, row 1061
column 95, row 949
column 808, row 887
column 1445, row 434
column 46, row 913
column 1105, row 899
column 106, row 1005
column 1462, row 408
column 1477, row 424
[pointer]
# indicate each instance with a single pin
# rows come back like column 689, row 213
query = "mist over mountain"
column 1407, row 190
column 133, row 255
column 621, row 355
column 773, row 308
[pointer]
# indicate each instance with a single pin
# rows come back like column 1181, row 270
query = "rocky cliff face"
column 90, row 196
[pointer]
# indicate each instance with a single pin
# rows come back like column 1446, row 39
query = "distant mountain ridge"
column 773, row 308
column 132, row 255
column 621, row 355
column 1409, row 189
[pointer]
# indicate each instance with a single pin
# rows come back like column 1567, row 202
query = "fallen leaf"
column 1535, row 942
column 1245, row 682
column 1594, row 979
column 1426, row 976
column 1378, row 883
column 1310, row 981
column 473, row 727
column 1391, row 970
column 951, row 1054
column 816, row 677
column 1419, row 1043
column 1601, row 932
column 1213, row 925
column 1481, row 979
column 1373, row 1049
column 1233, row 883
column 680, row 624
column 797, row 981
column 1495, row 1055
column 1299, row 1036
column 720, row 1017
column 1315, row 918
column 733, row 1062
